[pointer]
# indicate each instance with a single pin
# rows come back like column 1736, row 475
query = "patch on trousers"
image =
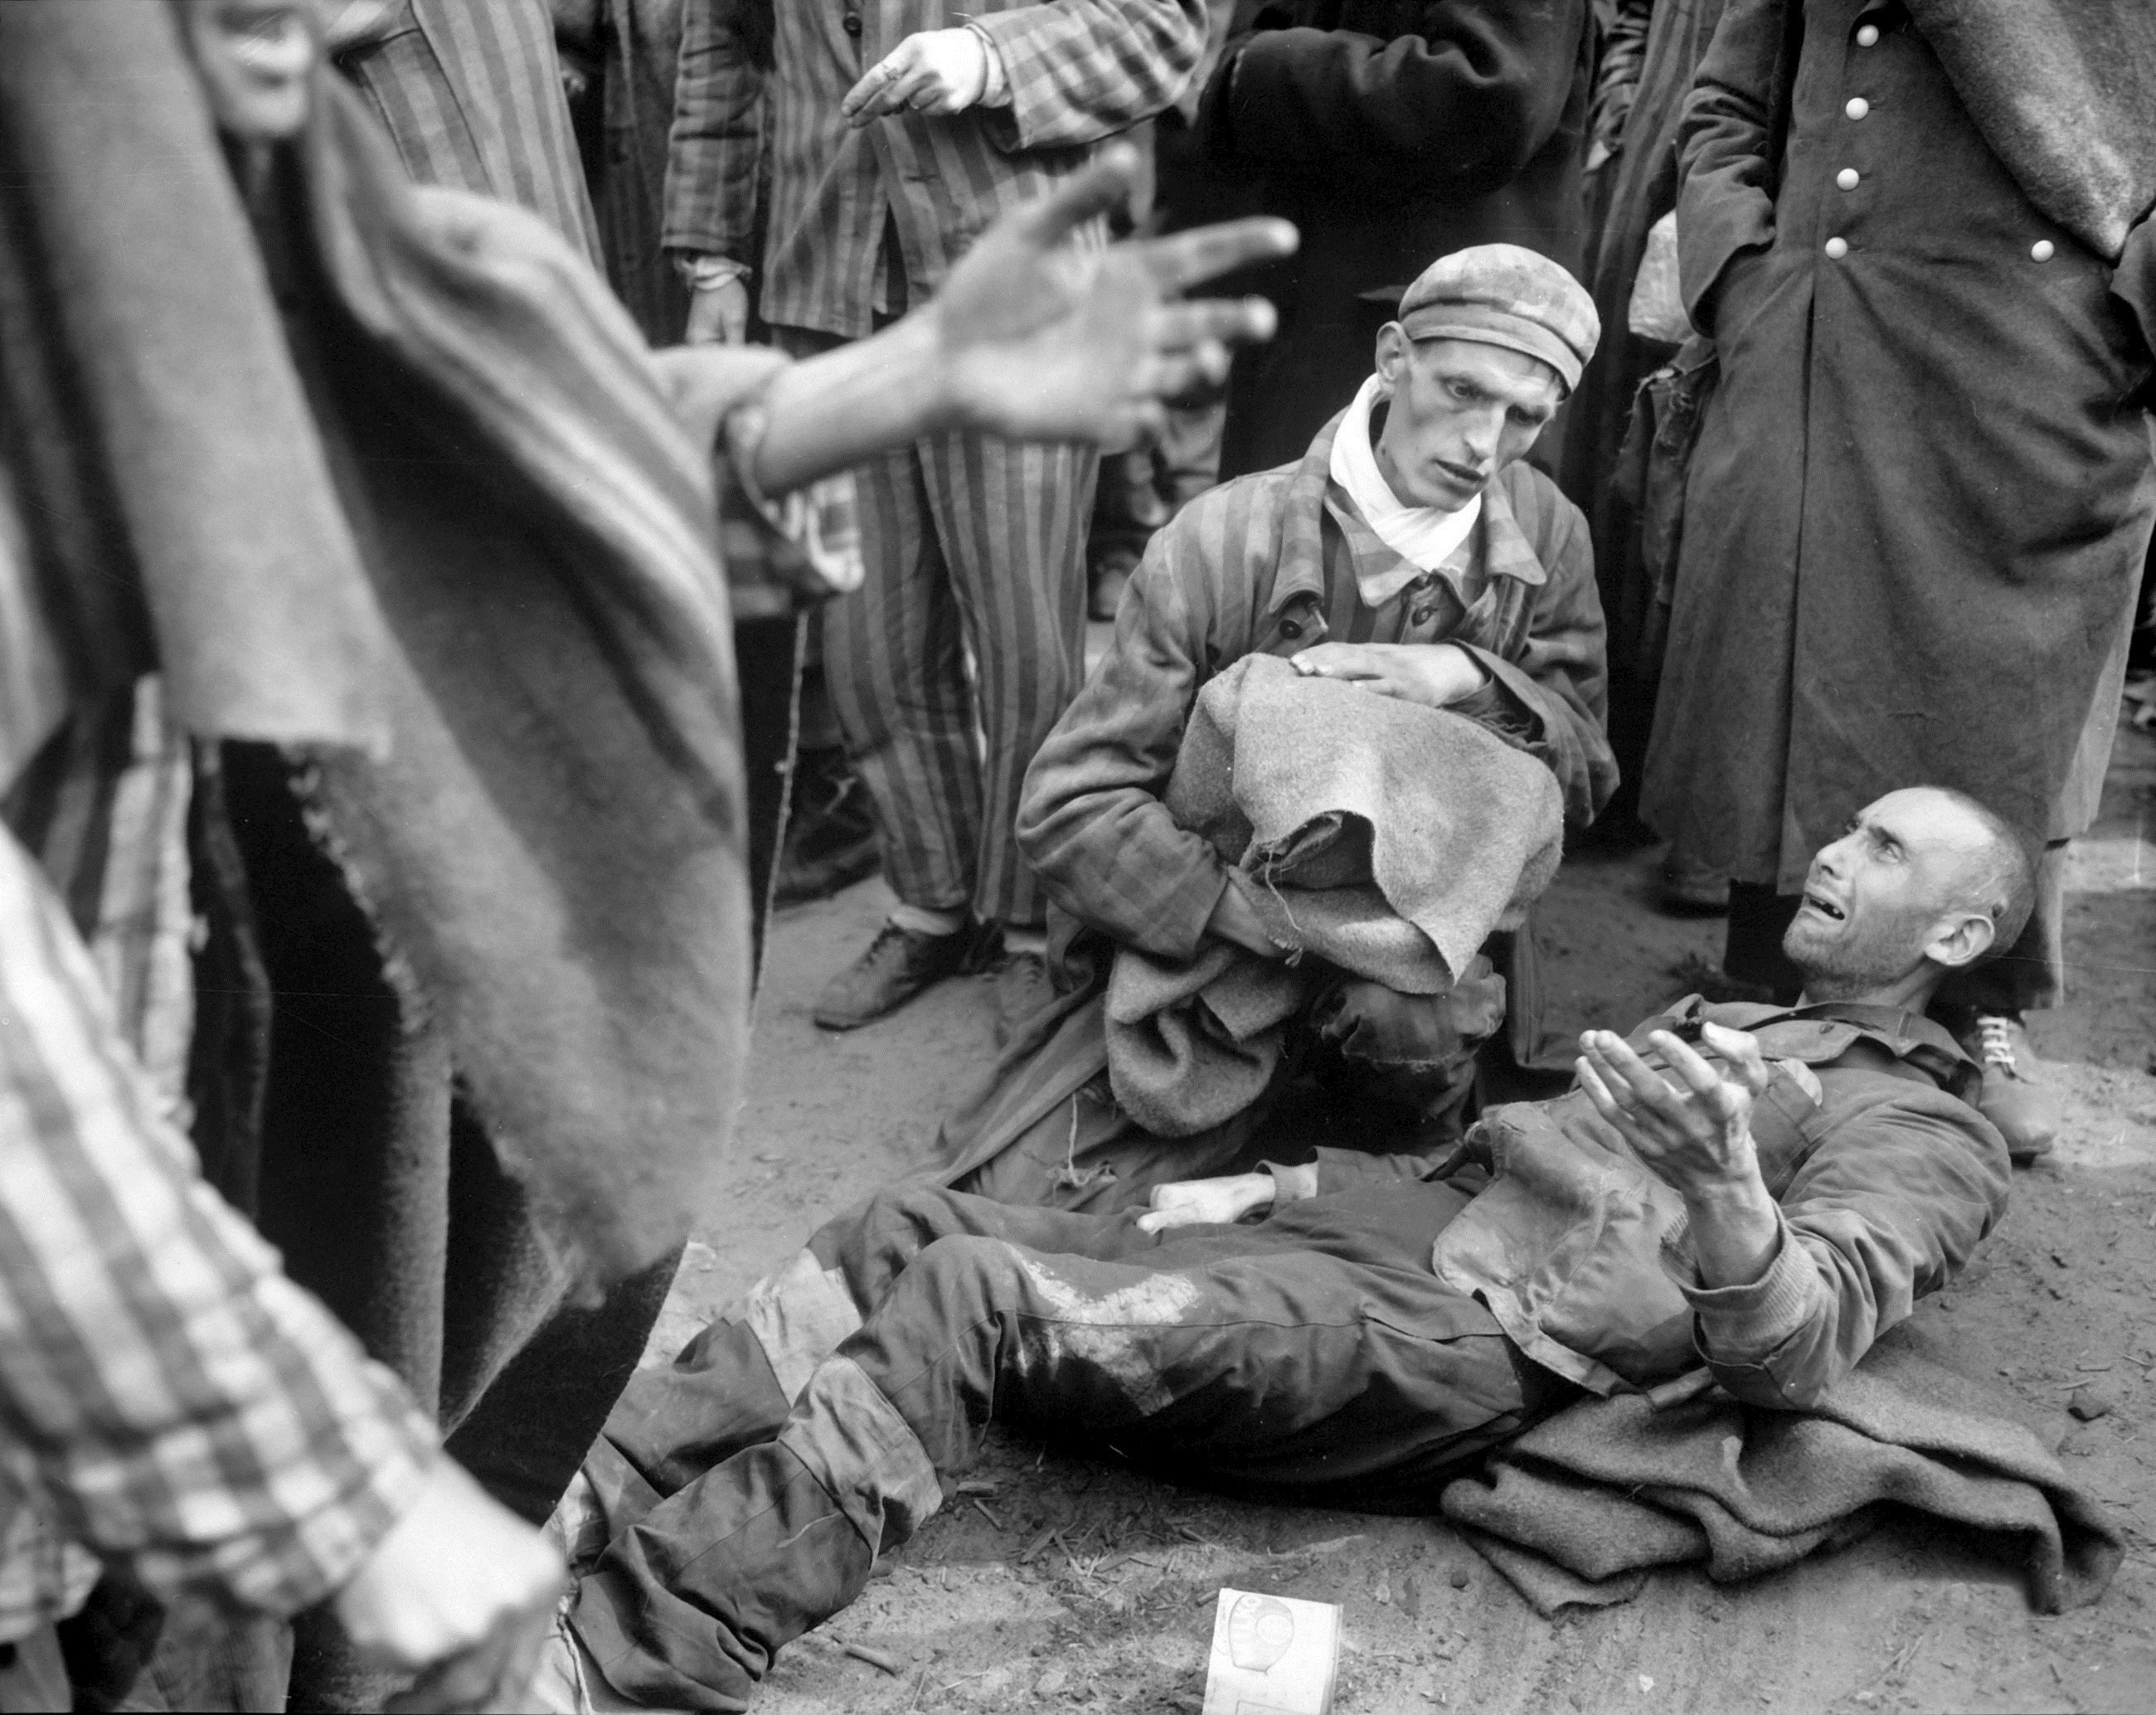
column 800, row 1316
column 1109, row 1333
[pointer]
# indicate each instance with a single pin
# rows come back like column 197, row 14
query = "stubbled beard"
column 1848, row 970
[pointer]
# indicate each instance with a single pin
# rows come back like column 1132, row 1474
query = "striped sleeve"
column 1091, row 820
column 713, row 150
column 1081, row 70
column 187, row 1410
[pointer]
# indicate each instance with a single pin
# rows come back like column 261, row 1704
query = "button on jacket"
column 1079, row 71
column 1267, row 564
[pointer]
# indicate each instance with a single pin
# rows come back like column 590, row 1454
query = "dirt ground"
column 986, row 1610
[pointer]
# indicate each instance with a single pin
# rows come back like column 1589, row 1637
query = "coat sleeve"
column 1888, row 1209
column 711, row 152
column 1081, row 70
column 1091, row 820
column 1617, row 78
column 1460, row 107
column 1726, row 150
column 1559, row 673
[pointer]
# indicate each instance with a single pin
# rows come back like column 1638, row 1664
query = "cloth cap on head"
column 1501, row 294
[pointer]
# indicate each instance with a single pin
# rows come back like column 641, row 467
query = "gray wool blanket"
column 1580, row 1510
column 1387, row 840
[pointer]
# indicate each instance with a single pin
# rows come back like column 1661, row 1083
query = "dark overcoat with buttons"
column 1921, row 495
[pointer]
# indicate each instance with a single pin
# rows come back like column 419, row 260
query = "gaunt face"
column 1894, row 887
column 257, row 60
column 1461, row 412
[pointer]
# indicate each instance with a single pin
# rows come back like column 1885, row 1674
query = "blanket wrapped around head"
column 1389, row 840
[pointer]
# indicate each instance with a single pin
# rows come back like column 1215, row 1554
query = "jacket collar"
column 1907, row 1036
column 1497, row 545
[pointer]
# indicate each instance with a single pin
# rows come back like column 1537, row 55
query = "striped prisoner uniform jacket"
column 471, row 93
column 1267, row 563
column 1079, row 71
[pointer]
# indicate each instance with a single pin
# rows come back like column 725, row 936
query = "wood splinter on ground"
column 863, row 1652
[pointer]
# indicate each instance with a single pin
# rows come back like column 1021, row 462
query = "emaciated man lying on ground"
column 1756, row 1191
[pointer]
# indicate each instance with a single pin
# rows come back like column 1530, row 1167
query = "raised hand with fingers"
column 1045, row 341
column 1696, row 1135
column 1695, row 1131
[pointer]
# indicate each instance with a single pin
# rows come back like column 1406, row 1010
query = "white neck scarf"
column 1422, row 536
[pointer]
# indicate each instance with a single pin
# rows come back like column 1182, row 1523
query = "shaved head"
column 2000, row 876
column 1926, row 880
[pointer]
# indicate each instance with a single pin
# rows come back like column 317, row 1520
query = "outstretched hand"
column 1043, row 341
column 1695, row 1133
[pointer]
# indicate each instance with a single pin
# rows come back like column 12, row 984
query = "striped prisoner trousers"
column 973, row 543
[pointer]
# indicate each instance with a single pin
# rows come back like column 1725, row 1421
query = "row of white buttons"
column 1867, row 36
column 2041, row 251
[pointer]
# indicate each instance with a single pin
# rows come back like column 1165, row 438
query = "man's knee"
column 964, row 1276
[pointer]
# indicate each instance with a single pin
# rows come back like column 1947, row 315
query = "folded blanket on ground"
column 1390, row 841
column 1580, row 1509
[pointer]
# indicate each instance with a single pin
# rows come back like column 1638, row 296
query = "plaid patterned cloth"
column 1079, row 71
column 167, row 1396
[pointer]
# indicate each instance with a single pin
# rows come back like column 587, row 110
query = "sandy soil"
column 987, row 1609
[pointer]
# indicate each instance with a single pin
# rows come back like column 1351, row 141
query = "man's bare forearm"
column 828, row 413
column 1736, row 1230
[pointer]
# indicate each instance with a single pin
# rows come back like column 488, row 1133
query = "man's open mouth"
column 1826, row 907
column 1460, row 475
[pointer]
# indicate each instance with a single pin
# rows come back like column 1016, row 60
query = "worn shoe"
column 1023, row 987
column 2027, row 1114
column 898, row 965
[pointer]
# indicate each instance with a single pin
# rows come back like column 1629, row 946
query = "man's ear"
column 1960, row 941
column 1393, row 350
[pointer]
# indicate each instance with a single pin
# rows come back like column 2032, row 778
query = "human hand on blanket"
column 1190, row 1203
column 1695, row 1134
column 1431, row 673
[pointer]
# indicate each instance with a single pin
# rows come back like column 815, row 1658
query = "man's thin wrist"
column 1730, row 1192
column 919, row 341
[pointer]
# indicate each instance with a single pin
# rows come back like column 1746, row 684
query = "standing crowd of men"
column 504, row 444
